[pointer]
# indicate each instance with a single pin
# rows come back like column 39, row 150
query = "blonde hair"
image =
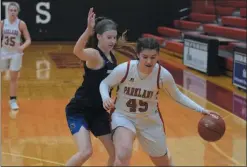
column 14, row 4
column 124, row 47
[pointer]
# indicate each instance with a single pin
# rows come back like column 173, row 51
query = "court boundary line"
column 214, row 145
column 33, row 158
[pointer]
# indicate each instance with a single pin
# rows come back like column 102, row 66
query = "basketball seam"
column 219, row 126
column 210, row 129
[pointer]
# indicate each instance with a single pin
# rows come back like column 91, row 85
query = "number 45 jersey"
column 11, row 38
column 137, row 96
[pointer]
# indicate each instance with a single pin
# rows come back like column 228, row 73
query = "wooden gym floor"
column 38, row 135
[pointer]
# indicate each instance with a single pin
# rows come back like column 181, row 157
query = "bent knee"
column 85, row 154
column 123, row 154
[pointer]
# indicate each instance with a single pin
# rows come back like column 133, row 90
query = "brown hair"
column 102, row 24
column 124, row 47
column 147, row 43
column 133, row 49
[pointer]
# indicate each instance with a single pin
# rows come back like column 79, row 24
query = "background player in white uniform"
column 136, row 109
column 12, row 28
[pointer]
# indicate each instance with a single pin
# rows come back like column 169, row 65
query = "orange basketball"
column 210, row 128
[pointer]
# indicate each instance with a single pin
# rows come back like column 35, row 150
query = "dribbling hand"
column 211, row 113
column 108, row 103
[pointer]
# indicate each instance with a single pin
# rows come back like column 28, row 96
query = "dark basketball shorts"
column 96, row 120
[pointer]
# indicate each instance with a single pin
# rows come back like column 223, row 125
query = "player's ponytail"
column 141, row 44
column 124, row 47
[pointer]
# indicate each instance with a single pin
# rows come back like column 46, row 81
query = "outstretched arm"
column 169, row 85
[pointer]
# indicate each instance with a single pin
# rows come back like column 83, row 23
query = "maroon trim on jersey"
column 113, row 109
column 115, row 100
column 161, row 118
column 158, row 77
column 127, row 72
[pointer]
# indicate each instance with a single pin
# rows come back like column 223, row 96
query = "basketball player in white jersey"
column 12, row 28
column 136, row 112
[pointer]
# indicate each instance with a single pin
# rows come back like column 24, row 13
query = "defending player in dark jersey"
column 85, row 112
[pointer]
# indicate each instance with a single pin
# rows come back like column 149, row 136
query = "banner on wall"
column 239, row 70
column 201, row 53
column 196, row 55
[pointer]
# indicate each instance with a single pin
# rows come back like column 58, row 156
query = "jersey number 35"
column 10, row 41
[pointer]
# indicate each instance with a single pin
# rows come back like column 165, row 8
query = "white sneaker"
column 13, row 104
column 13, row 114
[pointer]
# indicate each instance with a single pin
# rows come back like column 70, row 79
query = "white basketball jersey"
column 136, row 95
column 11, row 37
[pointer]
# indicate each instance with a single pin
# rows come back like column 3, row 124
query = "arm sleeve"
column 168, row 84
column 113, row 79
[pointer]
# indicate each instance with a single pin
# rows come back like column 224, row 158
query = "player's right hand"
column 91, row 19
column 108, row 103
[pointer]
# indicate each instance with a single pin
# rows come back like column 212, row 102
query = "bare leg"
column 107, row 142
column 13, row 82
column 165, row 160
column 123, row 140
column 83, row 141
column 13, row 89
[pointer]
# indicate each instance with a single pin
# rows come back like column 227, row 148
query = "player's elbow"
column 81, row 54
column 29, row 41
column 76, row 51
column 104, row 89
column 102, row 84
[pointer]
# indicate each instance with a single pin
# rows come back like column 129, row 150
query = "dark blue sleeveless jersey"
column 88, row 93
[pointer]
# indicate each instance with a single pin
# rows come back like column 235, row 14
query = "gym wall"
column 65, row 20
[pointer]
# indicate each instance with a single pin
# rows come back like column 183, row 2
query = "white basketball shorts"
column 149, row 131
column 14, row 63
